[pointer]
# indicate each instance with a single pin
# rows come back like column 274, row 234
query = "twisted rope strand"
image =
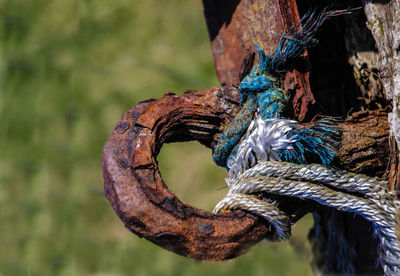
column 372, row 187
column 381, row 211
column 266, row 210
column 323, row 195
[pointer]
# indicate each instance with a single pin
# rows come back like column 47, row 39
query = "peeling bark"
column 383, row 21
column 363, row 57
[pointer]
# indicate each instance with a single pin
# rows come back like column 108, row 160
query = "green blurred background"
column 68, row 69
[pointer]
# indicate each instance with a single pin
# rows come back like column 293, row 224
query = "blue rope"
column 320, row 141
column 260, row 91
column 231, row 136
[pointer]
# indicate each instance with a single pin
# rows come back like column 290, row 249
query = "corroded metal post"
column 136, row 191
column 133, row 182
column 235, row 26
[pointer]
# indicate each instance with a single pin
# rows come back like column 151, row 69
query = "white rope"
column 266, row 210
column 264, row 140
column 250, row 174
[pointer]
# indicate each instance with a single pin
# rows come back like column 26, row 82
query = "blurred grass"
column 68, row 69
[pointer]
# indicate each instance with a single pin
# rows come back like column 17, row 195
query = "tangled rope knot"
column 268, row 154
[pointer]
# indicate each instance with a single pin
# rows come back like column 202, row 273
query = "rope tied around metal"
column 325, row 186
column 268, row 154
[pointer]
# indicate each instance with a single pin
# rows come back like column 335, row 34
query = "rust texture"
column 137, row 193
column 132, row 180
column 365, row 144
column 234, row 26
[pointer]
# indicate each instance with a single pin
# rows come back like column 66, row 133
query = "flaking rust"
column 132, row 180
column 137, row 193
column 129, row 157
column 234, row 26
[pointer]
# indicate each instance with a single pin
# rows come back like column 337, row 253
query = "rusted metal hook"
column 134, row 186
column 136, row 191
column 133, row 182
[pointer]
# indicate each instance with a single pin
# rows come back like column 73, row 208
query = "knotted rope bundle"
column 255, row 145
column 327, row 187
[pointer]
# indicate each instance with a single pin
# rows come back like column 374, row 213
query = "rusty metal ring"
column 136, row 191
column 134, row 186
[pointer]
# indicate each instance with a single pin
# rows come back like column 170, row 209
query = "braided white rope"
column 371, row 187
column 266, row 210
column 264, row 140
column 250, row 173
column 383, row 218
column 317, row 173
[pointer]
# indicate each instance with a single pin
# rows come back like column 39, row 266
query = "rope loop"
column 265, row 153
